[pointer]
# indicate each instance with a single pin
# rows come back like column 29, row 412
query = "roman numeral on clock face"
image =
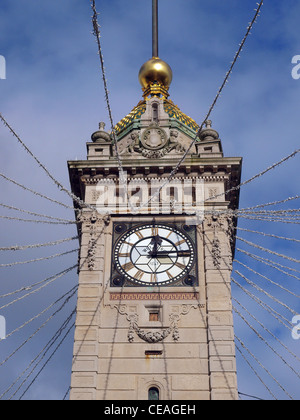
column 128, row 243
column 124, row 255
column 180, row 242
column 169, row 275
column 139, row 275
column 139, row 235
column 154, row 231
column 181, row 266
column 153, row 278
column 128, row 266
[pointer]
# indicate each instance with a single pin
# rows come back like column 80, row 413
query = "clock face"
column 154, row 254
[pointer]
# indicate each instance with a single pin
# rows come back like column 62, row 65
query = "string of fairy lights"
column 262, row 292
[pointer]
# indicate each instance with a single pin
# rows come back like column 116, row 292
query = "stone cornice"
column 90, row 180
column 225, row 170
column 191, row 164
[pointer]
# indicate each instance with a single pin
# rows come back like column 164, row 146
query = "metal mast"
column 154, row 28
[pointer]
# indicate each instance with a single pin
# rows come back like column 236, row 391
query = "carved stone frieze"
column 91, row 224
column 154, row 142
column 124, row 296
column 216, row 252
column 91, row 254
column 92, row 221
column 150, row 336
column 221, row 245
column 222, row 222
column 154, row 335
column 154, row 138
column 214, row 222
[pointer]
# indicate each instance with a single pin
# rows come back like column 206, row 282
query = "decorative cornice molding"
column 125, row 296
column 111, row 181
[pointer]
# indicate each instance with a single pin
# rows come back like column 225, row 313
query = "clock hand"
column 178, row 253
column 156, row 240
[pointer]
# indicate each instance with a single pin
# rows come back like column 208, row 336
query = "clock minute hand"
column 156, row 240
column 178, row 253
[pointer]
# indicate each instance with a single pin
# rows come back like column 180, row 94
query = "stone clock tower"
column 154, row 315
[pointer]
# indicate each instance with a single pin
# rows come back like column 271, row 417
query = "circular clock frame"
column 154, row 255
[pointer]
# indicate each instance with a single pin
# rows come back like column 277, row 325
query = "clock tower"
column 154, row 313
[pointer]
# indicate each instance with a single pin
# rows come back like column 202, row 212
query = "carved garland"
column 154, row 336
column 94, row 224
column 224, row 223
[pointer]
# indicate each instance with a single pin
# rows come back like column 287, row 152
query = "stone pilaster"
column 221, row 347
column 90, row 293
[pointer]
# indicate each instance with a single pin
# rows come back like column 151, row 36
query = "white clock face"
column 154, row 254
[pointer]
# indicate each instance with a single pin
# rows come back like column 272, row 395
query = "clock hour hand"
column 156, row 241
column 186, row 253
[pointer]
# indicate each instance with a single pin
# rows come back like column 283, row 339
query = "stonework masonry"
column 176, row 338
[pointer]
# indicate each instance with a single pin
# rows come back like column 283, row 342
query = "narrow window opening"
column 155, row 113
column 208, row 149
column 153, row 394
column 153, row 352
column 194, row 195
column 172, row 193
column 153, row 316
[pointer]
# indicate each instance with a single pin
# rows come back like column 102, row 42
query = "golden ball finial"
column 155, row 70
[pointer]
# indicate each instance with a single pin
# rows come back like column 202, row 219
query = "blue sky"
column 53, row 97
